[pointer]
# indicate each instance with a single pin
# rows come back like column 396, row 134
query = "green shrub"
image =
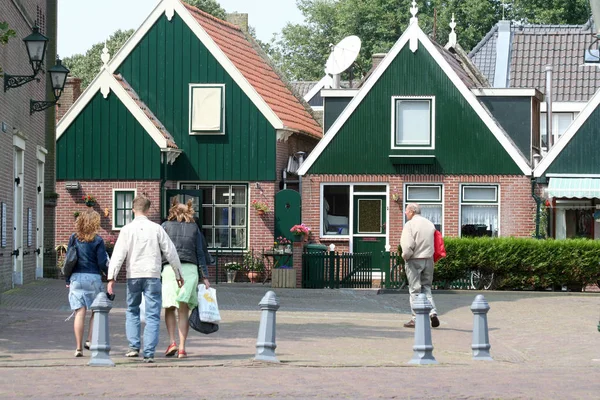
column 521, row 263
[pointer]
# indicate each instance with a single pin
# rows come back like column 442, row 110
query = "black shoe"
column 410, row 324
column 435, row 322
column 149, row 360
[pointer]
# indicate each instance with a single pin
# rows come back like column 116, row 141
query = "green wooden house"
column 423, row 128
column 189, row 107
column 569, row 176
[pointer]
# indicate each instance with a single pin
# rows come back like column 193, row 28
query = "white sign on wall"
column 3, row 225
column 29, row 227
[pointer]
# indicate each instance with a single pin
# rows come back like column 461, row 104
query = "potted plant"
column 283, row 276
column 300, row 232
column 254, row 266
column 89, row 200
column 261, row 207
column 232, row 268
column 281, row 244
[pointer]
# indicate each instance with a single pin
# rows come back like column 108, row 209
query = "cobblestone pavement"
column 331, row 344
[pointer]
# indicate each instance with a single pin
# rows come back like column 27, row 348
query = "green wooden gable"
column 160, row 69
column 464, row 144
column 580, row 155
column 106, row 142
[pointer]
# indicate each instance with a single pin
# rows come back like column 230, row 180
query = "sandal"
column 86, row 345
column 171, row 350
column 181, row 354
column 78, row 353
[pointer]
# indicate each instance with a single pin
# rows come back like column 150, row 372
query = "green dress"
column 172, row 294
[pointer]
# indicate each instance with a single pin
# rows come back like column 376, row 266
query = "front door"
column 19, row 173
column 39, row 222
column 369, row 227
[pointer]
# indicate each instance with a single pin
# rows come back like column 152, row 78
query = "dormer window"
column 207, row 109
column 413, row 124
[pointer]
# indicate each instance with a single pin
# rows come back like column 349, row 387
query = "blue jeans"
column 151, row 288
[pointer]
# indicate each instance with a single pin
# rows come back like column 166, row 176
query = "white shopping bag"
column 207, row 304
column 143, row 310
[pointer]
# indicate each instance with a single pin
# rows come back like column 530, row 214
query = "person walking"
column 86, row 280
column 417, row 243
column 141, row 243
column 185, row 234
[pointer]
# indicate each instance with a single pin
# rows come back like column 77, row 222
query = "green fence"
column 323, row 269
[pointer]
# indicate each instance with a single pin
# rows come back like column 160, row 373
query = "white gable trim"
column 324, row 83
column 106, row 80
column 164, row 7
column 562, row 142
column 414, row 31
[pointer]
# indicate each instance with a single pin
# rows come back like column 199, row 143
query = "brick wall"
column 517, row 207
column 70, row 94
column 14, row 113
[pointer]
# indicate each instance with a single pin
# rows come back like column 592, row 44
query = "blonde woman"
column 185, row 234
column 86, row 280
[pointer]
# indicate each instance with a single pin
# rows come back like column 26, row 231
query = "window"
column 122, row 206
column 224, row 214
column 560, row 123
column 207, row 109
column 412, row 123
column 479, row 210
column 429, row 198
column 336, row 209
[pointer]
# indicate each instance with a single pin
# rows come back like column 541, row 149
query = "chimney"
column 376, row 59
column 503, row 45
column 238, row 19
column 69, row 95
column 549, row 133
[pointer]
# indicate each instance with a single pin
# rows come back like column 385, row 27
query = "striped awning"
column 581, row 188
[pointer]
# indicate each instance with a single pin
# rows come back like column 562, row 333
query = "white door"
column 39, row 222
column 18, row 217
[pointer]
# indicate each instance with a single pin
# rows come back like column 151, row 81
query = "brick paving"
column 331, row 344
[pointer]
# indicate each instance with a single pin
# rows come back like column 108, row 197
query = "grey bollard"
column 100, row 345
column 265, row 344
column 481, row 341
column 423, row 348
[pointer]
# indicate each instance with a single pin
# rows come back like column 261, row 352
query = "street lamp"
column 36, row 44
column 593, row 55
column 58, row 77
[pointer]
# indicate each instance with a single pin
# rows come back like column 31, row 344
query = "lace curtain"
column 480, row 215
column 432, row 212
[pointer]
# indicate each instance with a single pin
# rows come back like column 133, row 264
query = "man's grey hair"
column 414, row 207
column 141, row 203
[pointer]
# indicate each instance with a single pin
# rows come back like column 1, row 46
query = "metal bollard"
column 481, row 341
column 265, row 344
column 423, row 348
column 100, row 345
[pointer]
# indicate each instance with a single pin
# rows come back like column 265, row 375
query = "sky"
column 83, row 23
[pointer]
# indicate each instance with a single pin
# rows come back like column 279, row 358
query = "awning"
column 581, row 188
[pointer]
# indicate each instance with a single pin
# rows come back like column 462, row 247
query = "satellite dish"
column 343, row 55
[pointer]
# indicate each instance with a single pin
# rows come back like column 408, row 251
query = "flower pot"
column 253, row 276
column 283, row 278
column 261, row 213
column 231, row 276
column 90, row 203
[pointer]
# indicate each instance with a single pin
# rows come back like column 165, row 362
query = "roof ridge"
column 483, row 41
column 210, row 16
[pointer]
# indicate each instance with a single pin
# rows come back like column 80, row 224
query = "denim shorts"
column 83, row 289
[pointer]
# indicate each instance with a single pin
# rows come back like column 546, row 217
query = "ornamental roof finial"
column 414, row 10
column 105, row 56
column 452, row 35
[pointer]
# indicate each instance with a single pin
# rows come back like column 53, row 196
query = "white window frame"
column 555, row 134
column 439, row 186
column 221, row 130
column 461, row 203
column 213, row 225
column 431, row 145
column 114, row 206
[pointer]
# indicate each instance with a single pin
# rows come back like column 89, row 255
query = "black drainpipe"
column 538, row 202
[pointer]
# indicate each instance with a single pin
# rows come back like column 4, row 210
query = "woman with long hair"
column 86, row 280
column 185, row 234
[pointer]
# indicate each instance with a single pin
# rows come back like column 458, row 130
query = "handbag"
column 200, row 326
column 70, row 258
column 439, row 250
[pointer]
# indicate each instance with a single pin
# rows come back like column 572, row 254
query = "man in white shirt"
column 417, row 243
column 141, row 243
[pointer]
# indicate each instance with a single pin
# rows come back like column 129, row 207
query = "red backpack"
column 439, row 251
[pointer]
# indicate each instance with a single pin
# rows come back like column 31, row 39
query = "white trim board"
column 564, row 106
column 562, row 142
column 339, row 92
column 325, row 81
column 416, row 34
column 105, row 82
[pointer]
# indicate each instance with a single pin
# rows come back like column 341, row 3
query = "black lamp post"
column 36, row 44
column 58, row 77
column 593, row 55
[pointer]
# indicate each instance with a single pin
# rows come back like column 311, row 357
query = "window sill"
column 416, row 159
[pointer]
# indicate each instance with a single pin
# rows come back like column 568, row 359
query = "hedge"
column 522, row 263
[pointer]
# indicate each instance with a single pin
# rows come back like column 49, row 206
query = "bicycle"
column 481, row 280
